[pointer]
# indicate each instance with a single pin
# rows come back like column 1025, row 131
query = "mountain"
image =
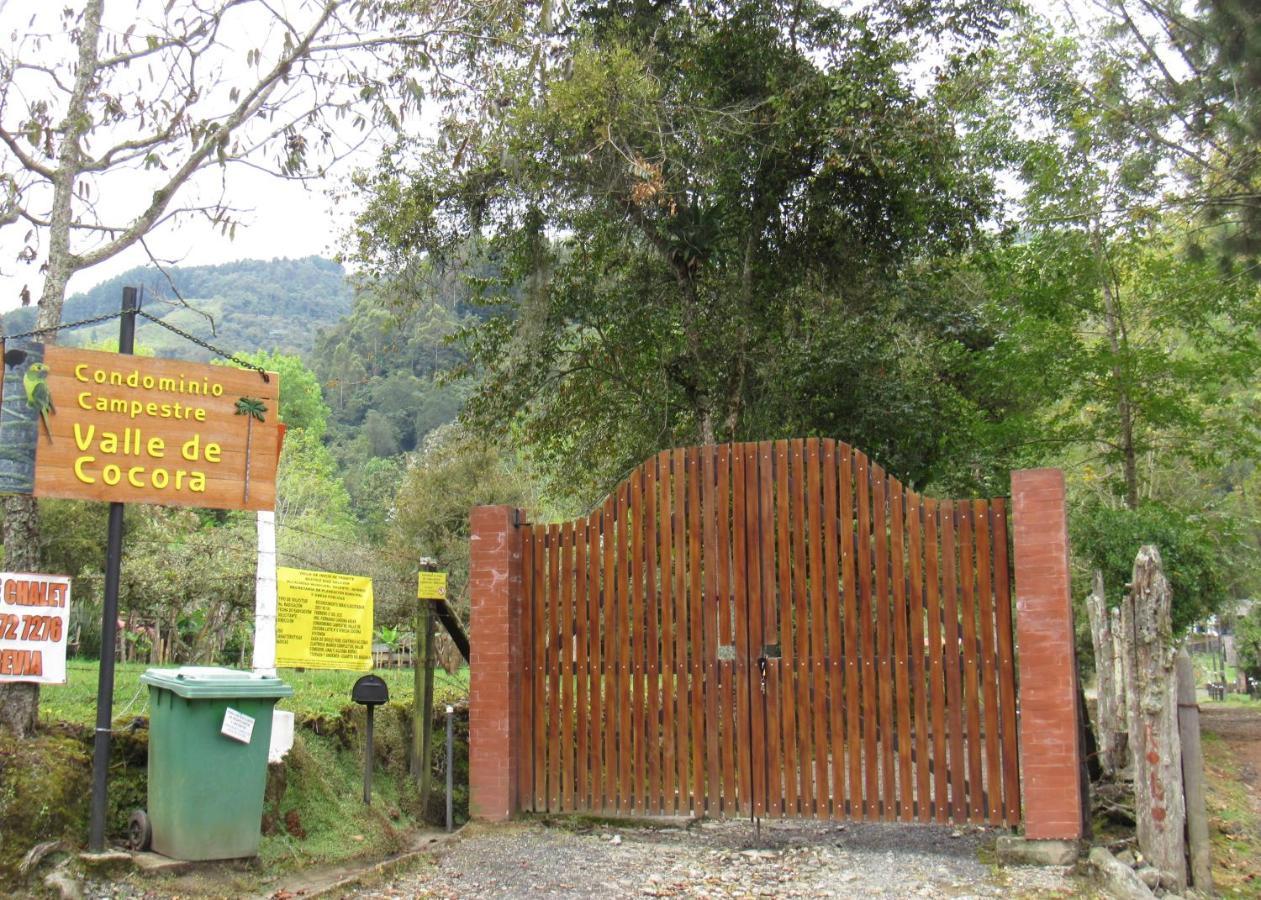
column 256, row 304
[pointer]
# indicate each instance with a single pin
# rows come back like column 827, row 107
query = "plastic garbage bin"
column 209, row 730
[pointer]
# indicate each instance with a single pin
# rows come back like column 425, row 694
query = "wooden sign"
column 87, row 425
column 34, row 627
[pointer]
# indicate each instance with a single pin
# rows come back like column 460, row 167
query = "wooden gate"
column 771, row 629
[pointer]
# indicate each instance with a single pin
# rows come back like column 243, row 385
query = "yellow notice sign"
column 432, row 586
column 323, row 620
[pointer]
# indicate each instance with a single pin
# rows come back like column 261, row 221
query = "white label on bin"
column 237, row 725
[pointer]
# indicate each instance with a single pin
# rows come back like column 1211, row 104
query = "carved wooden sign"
column 88, row 425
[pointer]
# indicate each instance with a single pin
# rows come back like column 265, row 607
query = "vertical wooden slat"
column 624, row 746
column 989, row 664
column 1006, row 665
column 565, row 648
column 972, row 703
column 756, row 624
column 818, row 656
column 919, row 656
column 884, row 639
column 696, row 632
column 582, row 613
column 639, row 648
column 870, row 675
column 798, row 499
column 528, row 669
column 684, row 746
column 901, row 651
column 595, row 727
column 936, row 662
column 726, row 636
column 709, row 647
column 832, row 603
column 789, row 664
column 541, row 668
column 669, row 692
column 853, row 658
column 609, row 615
column 553, row 668
column 740, row 589
column 652, row 613
column 953, row 663
column 770, row 628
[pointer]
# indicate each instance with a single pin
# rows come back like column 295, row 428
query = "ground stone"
column 1014, row 850
column 1118, row 879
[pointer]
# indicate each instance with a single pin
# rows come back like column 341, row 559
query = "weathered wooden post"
column 1147, row 635
column 1105, row 671
column 1193, row 776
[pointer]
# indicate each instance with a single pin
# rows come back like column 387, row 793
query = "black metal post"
column 109, row 622
column 367, row 760
column 450, row 764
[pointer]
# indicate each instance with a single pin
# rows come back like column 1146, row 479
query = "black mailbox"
column 370, row 691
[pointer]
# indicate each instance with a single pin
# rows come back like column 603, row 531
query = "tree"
column 677, row 203
column 96, row 103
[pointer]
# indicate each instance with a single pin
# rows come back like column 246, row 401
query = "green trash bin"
column 209, row 733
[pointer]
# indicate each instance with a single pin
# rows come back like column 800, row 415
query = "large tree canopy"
column 704, row 220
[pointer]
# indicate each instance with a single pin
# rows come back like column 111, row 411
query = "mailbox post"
column 369, row 691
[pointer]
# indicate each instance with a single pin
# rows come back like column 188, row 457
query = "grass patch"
column 315, row 692
column 1234, row 829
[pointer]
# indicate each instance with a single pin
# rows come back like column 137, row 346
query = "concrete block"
column 1014, row 850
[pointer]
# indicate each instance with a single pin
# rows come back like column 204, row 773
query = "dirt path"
column 1241, row 729
column 725, row 859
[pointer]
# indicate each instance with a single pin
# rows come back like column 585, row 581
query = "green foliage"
column 1194, row 554
column 682, row 216
column 1248, row 641
column 451, row 475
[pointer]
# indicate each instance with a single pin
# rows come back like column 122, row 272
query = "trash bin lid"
column 214, row 682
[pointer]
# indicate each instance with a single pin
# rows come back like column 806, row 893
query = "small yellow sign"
column 323, row 620
column 431, row 586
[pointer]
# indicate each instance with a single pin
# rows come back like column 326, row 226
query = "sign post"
column 109, row 622
column 430, row 585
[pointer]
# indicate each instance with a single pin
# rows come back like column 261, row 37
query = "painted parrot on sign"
column 38, row 397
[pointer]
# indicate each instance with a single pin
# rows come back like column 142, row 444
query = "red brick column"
column 495, row 667
column 1050, row 758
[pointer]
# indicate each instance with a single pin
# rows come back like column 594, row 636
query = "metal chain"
column 95, row 320
column 204, row 345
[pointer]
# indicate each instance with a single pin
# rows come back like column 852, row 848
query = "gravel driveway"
column 725, row 859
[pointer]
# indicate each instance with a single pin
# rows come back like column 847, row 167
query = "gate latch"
column 761, row 667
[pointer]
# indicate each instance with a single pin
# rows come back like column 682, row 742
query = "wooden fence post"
column 1050, row 756
column 495, row 592
column 1193, row 776
column 1147, row 639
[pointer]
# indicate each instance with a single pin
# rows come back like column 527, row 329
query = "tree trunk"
column 1119, row 681
column 1111, row 725
column 1118, row 343
column 1153, row 718
column 19, row 701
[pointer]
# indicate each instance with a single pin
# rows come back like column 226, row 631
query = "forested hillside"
column 256, row 304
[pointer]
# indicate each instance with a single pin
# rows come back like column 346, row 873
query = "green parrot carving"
column 38, row 397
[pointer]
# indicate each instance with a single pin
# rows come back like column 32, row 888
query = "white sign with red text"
column 34, row 624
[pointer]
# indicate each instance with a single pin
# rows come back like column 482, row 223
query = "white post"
column 265, row 596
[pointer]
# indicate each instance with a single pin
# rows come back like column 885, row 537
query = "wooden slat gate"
column 771, row 629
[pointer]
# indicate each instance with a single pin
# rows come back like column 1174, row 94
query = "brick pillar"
column 495, row 667
column 1050, row 757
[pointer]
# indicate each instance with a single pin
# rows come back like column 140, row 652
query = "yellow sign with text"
column 432, row 586
column 87, row 425
column 323, row 620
